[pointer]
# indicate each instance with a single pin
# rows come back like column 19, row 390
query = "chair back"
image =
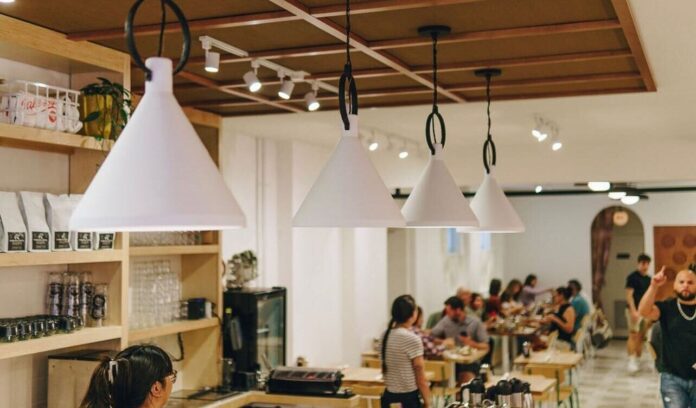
column 442, row 370
column 371, row 362
column 369, row 394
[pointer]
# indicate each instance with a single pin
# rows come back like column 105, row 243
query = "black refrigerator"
column 254, row 328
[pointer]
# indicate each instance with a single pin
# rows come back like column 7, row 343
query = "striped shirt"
column 402, row 347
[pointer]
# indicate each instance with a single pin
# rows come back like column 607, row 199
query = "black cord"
column 180, row 341
column 489, row 153
column 434, row 71
column 163, row 22
column 348, row 32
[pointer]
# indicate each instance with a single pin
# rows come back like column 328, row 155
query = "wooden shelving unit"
column 48, row 140
column 201, row 267
column 174, row 250
column 59, row 258
column 81, row 337
column 171, row 328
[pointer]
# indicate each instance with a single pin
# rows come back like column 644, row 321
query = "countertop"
column 260, row 397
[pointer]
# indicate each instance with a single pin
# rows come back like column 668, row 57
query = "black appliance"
column 304, row 380
column 254, row 328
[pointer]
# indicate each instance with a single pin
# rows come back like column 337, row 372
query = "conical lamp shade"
column 436, row 201
column 158, row 176
column 493, row 209
column 349, row 192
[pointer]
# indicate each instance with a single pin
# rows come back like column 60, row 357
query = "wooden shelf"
column 174, row 250
column 59, row 258
column 59, row 341
column 48, row 140
column 172, row 328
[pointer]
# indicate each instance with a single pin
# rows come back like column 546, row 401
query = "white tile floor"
column 605, row 383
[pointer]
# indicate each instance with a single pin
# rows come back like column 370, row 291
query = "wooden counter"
column 560, row 359
column 251, row 397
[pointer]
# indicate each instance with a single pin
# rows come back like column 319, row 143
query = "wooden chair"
column 443, row 372
column 371, row 362
column 369, row 394
column 564, row 392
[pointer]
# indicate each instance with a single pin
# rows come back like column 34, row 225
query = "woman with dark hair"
column 138, row 377
column 563, row 319
column 509, row 304
column 493, row 303
column 530, row 291
column 402, row 358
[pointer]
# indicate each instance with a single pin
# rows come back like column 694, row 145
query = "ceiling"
column 546, row 48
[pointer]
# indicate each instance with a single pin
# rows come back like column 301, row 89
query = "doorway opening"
column 617, row 240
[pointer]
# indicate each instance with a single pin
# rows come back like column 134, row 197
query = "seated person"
column 509, row 301
column 530, row 291
column 465, row 330
column 431, row 349
column 477, row 306
column 433, row 318
column 580, row 305
column 563, row 319
column 493, row 303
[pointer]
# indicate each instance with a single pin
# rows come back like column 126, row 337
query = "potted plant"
column 104, row 109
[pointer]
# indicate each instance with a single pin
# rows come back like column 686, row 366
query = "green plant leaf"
column 92, row 116
column 104, row 80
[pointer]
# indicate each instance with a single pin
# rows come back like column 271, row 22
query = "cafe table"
column 542, row 388
column 561, row 360
column 509, row 342
column 368, row 376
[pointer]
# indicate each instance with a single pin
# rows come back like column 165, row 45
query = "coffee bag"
column 13, row 232
column 58, row 212
column 80, row 240
column 34, row 214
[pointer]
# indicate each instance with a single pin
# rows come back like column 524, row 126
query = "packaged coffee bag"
column 58, row 212
column 104, row 240
column 13, row 232
column 80, row 240
column 34, row 213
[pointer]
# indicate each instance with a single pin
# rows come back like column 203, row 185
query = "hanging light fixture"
column 491, row 206
column 159, row 175
column 436, row 201
column 599, row 185
column 349, row 192
column 540, row 131
column 311, row 98
column 372, row 142
column 403, row 152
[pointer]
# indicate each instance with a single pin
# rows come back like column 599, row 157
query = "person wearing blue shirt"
column 582, row 308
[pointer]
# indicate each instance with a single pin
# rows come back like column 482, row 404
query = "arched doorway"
column 617, row 240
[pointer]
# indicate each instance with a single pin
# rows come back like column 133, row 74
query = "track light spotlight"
column 599, row 185
column 251, row 79
column 311, row 98
column 286, row 86
column 212, row 58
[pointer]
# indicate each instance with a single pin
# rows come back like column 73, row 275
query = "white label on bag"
column 61, row 240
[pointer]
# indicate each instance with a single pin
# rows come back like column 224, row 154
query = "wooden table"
column 542, row 388
column 369, row 376
column 561, row 359
column 260, row 397
column 508, row 344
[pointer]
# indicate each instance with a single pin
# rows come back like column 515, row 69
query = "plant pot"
column 100, row 127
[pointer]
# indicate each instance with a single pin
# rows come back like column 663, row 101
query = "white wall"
column 335, row 277
column 556, row 244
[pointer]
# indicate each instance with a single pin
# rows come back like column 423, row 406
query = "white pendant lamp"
column 349, row 192
column 436, row 201
column 158, row 176
column 491, row 206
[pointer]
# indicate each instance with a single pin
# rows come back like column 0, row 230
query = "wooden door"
column 675, row 248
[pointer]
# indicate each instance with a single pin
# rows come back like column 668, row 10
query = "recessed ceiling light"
column 630, row 199
column 403, row 153
column 538, row 189
column 374, row 145
column 7, row 1
column 599, row 185
column 617, row 195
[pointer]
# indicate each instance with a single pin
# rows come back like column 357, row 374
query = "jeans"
column 677, row 392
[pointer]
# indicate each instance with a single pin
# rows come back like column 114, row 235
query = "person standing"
column 403, row 366
column 637, row 284
column 677, row 317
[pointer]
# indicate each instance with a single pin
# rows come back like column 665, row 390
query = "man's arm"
column 647, row 306
column 632, row 307
column 481, row 338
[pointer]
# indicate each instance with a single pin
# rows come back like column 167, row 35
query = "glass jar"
column 98, row 309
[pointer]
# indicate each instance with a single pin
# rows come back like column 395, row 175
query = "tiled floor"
column 605, row 383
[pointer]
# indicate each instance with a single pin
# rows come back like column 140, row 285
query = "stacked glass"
column 156, row 294
column 166, row 238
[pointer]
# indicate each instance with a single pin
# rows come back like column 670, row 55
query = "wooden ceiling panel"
column 546, row 48
column 515, row 47
column 478, row 16
column 70, row 16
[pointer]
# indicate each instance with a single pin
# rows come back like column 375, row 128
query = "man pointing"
column 677, row 317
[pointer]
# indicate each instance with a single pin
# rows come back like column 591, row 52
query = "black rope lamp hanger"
column 434, row 32
column 347, row 76
column 489, row 153
column 130, row 38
